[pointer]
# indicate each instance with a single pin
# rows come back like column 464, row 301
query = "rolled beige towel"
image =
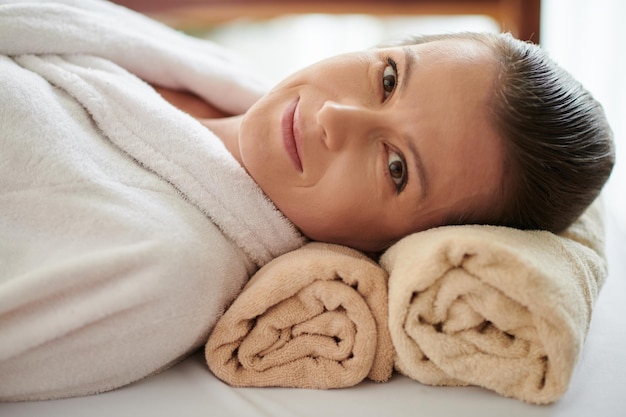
column 500, row 308
column 312, row 318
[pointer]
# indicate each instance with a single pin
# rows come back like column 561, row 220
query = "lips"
column 291, row 137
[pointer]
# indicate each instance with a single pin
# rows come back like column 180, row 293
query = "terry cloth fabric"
column 500, row 308
column 312, row 318
column 127, row 227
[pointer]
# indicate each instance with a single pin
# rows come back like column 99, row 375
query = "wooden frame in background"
column 520, row 17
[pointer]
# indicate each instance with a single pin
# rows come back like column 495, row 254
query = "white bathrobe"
column 126, row 227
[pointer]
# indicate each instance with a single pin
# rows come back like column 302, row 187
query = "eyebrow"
column 409, row 62
column 419, row 167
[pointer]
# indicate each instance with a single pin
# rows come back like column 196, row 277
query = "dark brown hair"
column 559, row 149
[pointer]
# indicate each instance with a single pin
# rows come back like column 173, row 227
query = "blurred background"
column 586, row 37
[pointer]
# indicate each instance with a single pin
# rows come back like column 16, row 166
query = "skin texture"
column 389, row 142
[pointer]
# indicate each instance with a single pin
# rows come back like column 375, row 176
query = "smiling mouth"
column 290, row 133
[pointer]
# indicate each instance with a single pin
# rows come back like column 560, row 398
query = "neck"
column 227, row 129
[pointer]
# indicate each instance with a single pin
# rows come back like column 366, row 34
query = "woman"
column 490, row 131
column 133, row 226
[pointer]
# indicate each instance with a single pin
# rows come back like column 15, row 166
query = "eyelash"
column 390, row 63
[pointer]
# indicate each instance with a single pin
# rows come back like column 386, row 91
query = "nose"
column 344, row 123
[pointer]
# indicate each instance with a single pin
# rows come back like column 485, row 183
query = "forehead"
column 454, row 80
column 451, row 62
column 451, row 77
column 453, row 50
column 450, row 90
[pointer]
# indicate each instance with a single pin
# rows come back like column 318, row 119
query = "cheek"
column 336, row 209
column 257, row 141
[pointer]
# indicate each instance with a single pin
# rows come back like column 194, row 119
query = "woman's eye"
column 397, row 170
column 390, row 78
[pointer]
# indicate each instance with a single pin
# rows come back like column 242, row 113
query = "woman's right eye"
column 397, row 170
column 390, row 78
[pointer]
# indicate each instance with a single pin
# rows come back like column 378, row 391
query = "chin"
column 370, row 248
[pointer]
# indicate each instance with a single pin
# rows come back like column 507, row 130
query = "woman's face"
column 365, row 148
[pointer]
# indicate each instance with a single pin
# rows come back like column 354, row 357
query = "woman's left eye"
column 397, row 170
column 390, row 78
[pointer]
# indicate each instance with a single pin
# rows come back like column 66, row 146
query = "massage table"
column 189, row 389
